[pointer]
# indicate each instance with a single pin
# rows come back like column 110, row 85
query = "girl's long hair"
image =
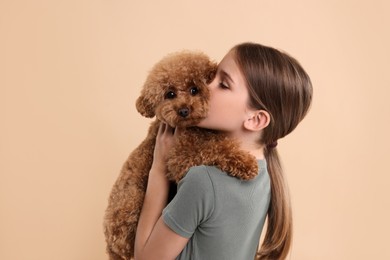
column 278, row 84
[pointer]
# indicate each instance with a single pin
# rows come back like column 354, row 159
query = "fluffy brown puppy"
column 176, row 93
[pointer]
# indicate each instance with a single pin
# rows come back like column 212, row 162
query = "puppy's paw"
column 243, row 166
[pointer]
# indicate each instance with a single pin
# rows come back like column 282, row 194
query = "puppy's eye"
column 170, row 95
column 194, row 90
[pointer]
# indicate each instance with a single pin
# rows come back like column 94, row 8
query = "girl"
column 258, row 95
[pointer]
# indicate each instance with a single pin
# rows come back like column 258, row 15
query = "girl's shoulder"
column 205, row 175
column 198, row 174
column 213, row 171
column 203, row 172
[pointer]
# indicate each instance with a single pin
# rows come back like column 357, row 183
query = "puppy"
column 176, row 93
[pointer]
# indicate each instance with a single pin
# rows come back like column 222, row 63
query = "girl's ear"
column 257, row 120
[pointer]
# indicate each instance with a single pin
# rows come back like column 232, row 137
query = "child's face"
column 228, row 105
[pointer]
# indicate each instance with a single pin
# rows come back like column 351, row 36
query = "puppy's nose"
column 184, row 112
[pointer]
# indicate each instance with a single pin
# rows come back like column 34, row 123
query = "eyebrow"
column 224, row 73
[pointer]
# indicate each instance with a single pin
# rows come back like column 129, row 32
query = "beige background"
column 70, row 72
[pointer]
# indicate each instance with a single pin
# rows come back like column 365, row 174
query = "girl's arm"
column 154, row 239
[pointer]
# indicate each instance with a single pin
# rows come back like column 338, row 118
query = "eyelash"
column 223, row 85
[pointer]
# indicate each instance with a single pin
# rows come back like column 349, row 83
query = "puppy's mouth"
column 176, row 120
column 186, row 122
column 182, row 116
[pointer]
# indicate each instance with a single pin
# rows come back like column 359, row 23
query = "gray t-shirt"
column 222, row 215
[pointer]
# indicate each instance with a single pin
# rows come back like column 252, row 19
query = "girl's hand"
column 164, row 141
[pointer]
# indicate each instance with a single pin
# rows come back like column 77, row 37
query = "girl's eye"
column 194, row 90
column 223, row 85
column 170, row 95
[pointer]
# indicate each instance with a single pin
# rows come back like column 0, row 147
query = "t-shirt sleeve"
column 193, row 203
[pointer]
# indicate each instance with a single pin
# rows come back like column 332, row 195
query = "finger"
column 178, row 131
column 161, row 129
column 170, row 129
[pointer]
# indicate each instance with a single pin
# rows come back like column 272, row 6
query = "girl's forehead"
column 228, row 64
column 229, row 57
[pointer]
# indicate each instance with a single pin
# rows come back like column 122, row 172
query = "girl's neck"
column 250, row 144
column 257, row 152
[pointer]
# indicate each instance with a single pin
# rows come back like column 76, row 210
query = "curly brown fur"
column 197, row 146
column 176, row 93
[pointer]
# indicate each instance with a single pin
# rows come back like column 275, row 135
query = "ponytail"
column 278, row 84
column 278, row 237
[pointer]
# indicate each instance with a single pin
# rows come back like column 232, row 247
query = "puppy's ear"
column 145, row 104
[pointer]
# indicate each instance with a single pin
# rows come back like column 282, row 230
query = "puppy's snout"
column 184, row 112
